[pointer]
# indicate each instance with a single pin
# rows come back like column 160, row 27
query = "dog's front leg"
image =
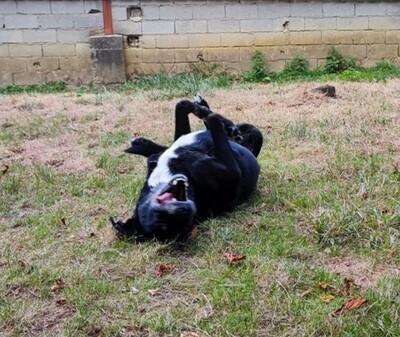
column 182, row 124
column 144, row 147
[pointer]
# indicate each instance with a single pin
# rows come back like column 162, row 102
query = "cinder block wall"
column 45, row 41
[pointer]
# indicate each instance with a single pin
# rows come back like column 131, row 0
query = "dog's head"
column 166, row 210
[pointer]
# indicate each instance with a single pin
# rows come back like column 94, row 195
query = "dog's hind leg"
column 182, row 124
column 144, row 147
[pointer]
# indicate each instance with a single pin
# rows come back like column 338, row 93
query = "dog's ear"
column 129, row 228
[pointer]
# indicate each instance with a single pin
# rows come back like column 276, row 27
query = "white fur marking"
column 162, row 173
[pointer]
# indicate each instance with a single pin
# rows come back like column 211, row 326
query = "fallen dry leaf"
column 154, row 292
column 327, row 298
column 347, row 284
column 351, row 304
column 4, row 170
column 162, row 268
column 233, row 258
column 61, row 301
column 189, row 334
column 306, row 292
column 63, row 221
column 58, row 285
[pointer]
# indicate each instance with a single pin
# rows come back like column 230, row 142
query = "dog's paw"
column 137, row 145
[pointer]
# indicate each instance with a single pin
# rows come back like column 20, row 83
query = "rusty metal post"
column 107, row 17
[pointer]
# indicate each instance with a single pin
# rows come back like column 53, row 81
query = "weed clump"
column 337, row 63
column 258, row 72
column 297, row 65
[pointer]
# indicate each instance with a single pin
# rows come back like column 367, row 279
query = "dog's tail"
column 251, row 138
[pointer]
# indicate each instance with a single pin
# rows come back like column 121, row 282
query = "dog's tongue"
column 164, row 198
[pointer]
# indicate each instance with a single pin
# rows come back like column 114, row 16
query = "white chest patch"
column 162, row 174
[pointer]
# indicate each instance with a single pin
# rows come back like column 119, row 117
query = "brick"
column 384, row 22
column 127, row 27
column 223, row 26
column 337, row 9
column 158, row 27
column 368, row 9
column 292, row 24
column 314, row 52
column 302, row 38
column 382, row 51
column 25, row 50
column 236, row 40
column 151, row 68
column 239, row 11
column 313, row 9
column 188, row 55
column 6, row 78
column 11, row 36
column 273, row 10
column 337, row 37
column 88, row 21
column 247, row 26
column 320, row 24
column 56, row 76
column 369, row 37
column 21, row 21
column 8, row 7
column 208, row 12
column 193, row 26
column 4, row 50
column 221, row 54
column 82, row 49
column 62, row 50
column 28, row 78
column 55, row 21
column 357, row 52
column 392, row 37
column 176, row 12
column 75, row 63
column 151, row 12
column 33, row 7
column 133, row 55
column 66, row 36
column 67, row 7
column 148, row 41
column 271, row 39
column 43, row 64
column 158, row 55
column 358, row 23
column 16, row 64
column 35, row 36
column 204, row 40
column 172, row 41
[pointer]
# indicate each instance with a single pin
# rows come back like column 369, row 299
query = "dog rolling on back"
column 202, row 174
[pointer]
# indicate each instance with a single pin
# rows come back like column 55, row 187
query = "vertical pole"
column 107, row 17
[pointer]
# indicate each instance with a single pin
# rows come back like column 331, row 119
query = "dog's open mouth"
column 176, row 191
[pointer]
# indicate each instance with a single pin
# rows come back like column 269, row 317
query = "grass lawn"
column 323, row 228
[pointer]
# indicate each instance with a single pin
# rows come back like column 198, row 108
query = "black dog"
column 202, row 174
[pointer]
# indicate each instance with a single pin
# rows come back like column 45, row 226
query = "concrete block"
column 392, row 37
column 320, row 24
column 240, row 11
column 11, row 36
column 25, row 50
column 6, row 78
column 303, row 38
column 358, row 23
column 273, row 10
column 44, row 36
column 314, row 52
column 59, row 50
column 172, row 41
column 76, row 36
column 288, row 24
column 271, row 39
column 306, row 10
column 221, row 54
column 151, row 12
column 18, row 65
column 148, row 41
column 236, row 40
column 33, row 7
column 276, row 66
column 88, row 21
column 231, row 67
column 158, row 27
column 56, row 76
column 204, row 40
column 133, row 55
column 82, row 49
column 358, row 52
column 55, row 21
column 8, row 7
column 67, row 7
column 382, row 51
column 223, row 26
column 208, row 12
column 384, row 22
column 368, row 9
column 176, row 12
column 28, row 78
column 77, row 70
column 21, row 21
column 369, row 37
column 188, row 55
column 91, row 5
column 247, row 26
column 119, row 14
column 393, row 9
column 127, row 27
column 337, row 37
column 338, row 9
column 158, row 56
column 43, row 64
column 193, row 26
column 4, row 50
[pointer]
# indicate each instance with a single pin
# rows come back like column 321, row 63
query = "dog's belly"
column 162, row 172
